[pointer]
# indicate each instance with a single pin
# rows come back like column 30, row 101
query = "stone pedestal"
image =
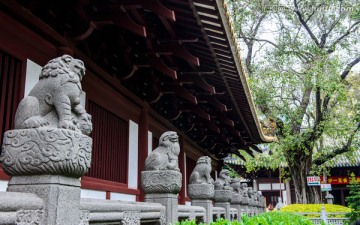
column 208, row 205
column 48, row 162
column 226, row 206
column 162, row 186
column 61, row 196
column 222, row 199
column 170, row 201
column 245, row 208
column 202, row 195
column 255, row 208
column 236, row 203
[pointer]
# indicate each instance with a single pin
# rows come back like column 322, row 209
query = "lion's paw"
column 35, row 122
column 84, row 124
column 67, row 124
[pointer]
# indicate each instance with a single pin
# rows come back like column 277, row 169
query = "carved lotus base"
column 223, row 195
column 201, row 191
column 236, row 199
column 161, row 181
column 46, row 151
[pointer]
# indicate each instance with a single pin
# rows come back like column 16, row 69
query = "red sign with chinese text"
column 339, row 180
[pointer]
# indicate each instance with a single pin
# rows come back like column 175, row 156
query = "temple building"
column 152, row 66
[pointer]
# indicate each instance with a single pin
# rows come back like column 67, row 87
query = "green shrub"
column 270, row 218
column 277, row 218
column 304, row 208
column 186, row 222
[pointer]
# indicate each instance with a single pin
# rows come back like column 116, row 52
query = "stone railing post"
column 161, row 179
column 222, row 199
column 223, row 192
column 236, row 199
column 244, row 207
column 201, row 187
column 49, row 149
column 323, row 215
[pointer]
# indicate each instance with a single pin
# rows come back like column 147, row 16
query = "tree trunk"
column 299, row 170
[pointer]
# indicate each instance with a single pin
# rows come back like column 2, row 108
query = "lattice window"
column 110, row 145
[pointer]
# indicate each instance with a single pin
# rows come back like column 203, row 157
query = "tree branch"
column 318, row 127
column 303, row 22
column 313, row 12
column 349, row 31
column 257, row 39
column 335, row 22
column 254, row 32
column 321, row 160
column 348, row 68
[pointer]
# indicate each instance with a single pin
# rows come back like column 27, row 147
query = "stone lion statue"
column 55, row 99
column 250, row 193
column 244, row 190
column 201, row 172
column 236, row 185
column 166, row 155
column 223, row 181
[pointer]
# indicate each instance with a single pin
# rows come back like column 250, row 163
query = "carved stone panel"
column 223, row 195
column 161, row 181
column 46, row 151
column 201, row 191
column 29, row 217
column 131, row 218
column 85, row 217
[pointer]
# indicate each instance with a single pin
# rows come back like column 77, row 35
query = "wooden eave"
column 154, row 50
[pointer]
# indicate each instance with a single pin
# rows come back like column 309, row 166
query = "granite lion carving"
column 223, row 181
column 166, row 155
column 55, row 99
column 201, row 172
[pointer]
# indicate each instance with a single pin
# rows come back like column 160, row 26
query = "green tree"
column 353, row 200
column 299, row 57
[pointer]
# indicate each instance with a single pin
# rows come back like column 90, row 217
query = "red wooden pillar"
column 143, row 147
column 182, row 170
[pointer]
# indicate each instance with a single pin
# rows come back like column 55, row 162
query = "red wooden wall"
column 110, row 145
column 10, row 85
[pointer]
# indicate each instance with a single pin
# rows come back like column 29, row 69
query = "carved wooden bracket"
column 213, row 101
column 198, row 81
column 123, row 20
column 180, row 51
column 159, row 65
column 179, row 91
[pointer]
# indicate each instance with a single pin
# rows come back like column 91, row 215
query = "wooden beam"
column 198, row 81
column 196, row 110
column 198, row 72
column 158, row 8
column 179, row 91
column 179, row 40
column 178, row 50
column 123, row 20
column 213, row 101
column 159, row 65
column 154, row 6
column 223, row 119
